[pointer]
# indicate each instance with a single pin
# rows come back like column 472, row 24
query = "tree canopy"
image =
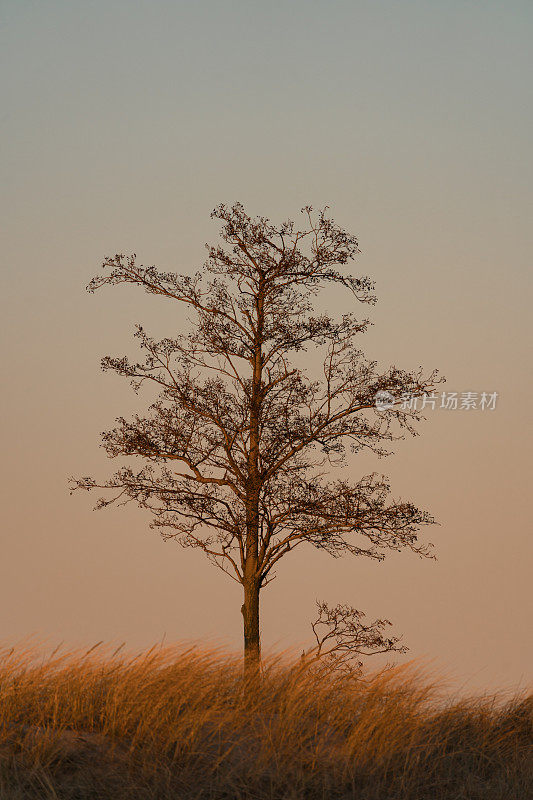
column 241, row 447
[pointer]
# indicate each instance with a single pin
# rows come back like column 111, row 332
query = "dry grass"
column 177, row 723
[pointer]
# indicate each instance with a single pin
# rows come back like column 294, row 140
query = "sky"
column 124, row 124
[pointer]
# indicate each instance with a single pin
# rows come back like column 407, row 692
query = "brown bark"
column 251, row 579
column 250, row 614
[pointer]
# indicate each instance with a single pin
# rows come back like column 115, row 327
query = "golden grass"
column 182, row 723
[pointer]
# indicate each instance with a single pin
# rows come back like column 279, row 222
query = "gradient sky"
column 124, row 124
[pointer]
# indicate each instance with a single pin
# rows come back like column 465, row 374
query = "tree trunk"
column 250, row 614
column 251, row 579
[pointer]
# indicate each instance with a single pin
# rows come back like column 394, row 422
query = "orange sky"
column 124, row 125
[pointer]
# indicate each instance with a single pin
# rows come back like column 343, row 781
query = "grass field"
column 182, row 723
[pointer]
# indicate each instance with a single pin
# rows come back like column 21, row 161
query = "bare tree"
column 341, row 636
column 238, row 446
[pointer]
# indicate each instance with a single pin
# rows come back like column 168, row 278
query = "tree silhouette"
column 238, row 445
column 341, row 636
